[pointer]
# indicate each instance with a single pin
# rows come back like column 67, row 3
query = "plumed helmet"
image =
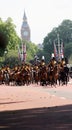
column 62, row 56
column 52, row 55
column 43, row 58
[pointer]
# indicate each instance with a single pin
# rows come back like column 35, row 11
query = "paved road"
column 61, row 91
column 49, row 113
column 64, row 91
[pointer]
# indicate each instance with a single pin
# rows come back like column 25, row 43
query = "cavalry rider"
column 42, row 63
column 7, row 69
column 53, row 61
column 27, row 67
column 63, row 63
column 15, row 69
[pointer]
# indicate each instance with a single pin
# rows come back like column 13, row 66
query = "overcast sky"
column 42, row 15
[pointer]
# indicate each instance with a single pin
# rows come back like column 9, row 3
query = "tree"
column 9, row 40
column 3, row 38
column 65, row 33
column 8, row 36
column 13, row 38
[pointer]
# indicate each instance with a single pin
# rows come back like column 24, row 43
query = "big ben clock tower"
column 25, row 30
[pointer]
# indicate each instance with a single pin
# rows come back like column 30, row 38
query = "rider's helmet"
column 43, row 58
column 62, row 57
column 43, row 61
column 52, row 56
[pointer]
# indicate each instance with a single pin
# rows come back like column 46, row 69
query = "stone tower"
column 25, row 30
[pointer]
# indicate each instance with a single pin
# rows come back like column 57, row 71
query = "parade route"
column 36, row 107
column 34, row 96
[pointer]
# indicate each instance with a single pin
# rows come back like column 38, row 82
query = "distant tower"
column 25, row 30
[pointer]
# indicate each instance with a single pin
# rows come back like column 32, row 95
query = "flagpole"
column 22, row 53
column 23, row 58
column 25, row 52
column 19, row 53
column 59, row 57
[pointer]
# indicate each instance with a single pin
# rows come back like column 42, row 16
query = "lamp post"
column 5, row 53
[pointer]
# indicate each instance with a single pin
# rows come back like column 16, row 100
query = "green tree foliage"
column 8, row 36
column 12, row 57
column 65, row 31
column 65, row 34
column 13, row 39
column 11, row 61
column 68, row 50
column 9, row 40
column 3, row 38
column 70, row 59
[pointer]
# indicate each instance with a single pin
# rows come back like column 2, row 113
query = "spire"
column 24, row 17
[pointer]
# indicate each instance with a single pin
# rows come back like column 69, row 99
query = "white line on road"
column 62, row 97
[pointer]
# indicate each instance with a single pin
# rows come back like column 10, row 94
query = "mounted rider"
column 42, row 63
column 53, row 61
column 63, row 63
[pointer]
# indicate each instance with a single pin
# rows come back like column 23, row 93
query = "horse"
column 52, row 74
column 64, row 75
column 36, row 74
column 43, row 75
column 1, row 77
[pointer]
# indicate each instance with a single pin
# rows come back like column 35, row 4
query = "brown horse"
column 52, row 74
column 36, row 74
column 1, row 77
column 43, row 75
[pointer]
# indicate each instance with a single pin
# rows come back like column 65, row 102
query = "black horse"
column 64, row 75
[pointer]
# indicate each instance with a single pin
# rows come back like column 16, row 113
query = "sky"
column 42, row 15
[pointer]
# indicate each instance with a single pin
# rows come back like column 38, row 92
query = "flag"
column 24, row 52
column 62, row 50
column 23, row 57
column 55, row 51
column 19, row 53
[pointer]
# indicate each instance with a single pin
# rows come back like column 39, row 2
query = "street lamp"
column 5, row 53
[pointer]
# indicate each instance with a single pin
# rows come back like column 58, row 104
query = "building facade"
column 25, row 29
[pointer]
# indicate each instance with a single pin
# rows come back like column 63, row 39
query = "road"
column 64, row 92
column 36, row 107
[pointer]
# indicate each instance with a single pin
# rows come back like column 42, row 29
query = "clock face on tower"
column 25, row 33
